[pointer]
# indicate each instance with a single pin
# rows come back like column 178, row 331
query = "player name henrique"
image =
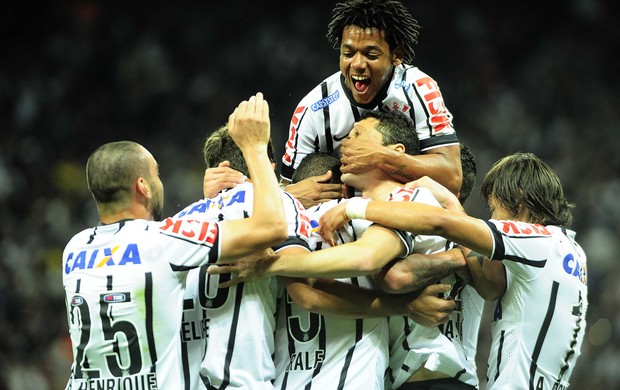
column 132, row 382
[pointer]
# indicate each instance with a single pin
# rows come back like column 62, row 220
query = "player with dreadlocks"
column 376, row 40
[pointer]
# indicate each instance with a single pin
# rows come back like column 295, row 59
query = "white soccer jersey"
column 124, row 286
column 325, row 352
column 539, row 324
column 325, row 116
column 240, row 320
column 412, row 345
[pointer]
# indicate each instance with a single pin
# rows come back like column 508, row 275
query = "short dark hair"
column 396, row 128
column 389, row 16
column 470, row 170
column 523, row 178
column 111, row 170
column 316, row 164
column 219, row 146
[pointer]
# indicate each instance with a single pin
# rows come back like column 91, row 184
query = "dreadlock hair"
column 389, row 16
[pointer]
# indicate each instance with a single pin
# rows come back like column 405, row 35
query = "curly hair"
column 389, row 16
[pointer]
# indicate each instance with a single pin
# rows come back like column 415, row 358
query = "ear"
column 143, row 188
column 398, row 55
column 398, row 147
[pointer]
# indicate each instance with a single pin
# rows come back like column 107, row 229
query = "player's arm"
column 334, row 298
column 249, row 127
column 441, row 163
column 417, row 271
column 365, row 256
column 421, row 218
column 487, row 276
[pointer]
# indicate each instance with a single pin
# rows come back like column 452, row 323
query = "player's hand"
column 315, row 190
column 360, row 154
column 248, row 268
column 332, row 220
column 221, row 178
column 249, row 124
column 446, row 198
column 428, row 309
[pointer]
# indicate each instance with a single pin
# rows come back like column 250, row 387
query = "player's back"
column 240, row 319
column 539, row 323
column 328, row 352
column 124, row 291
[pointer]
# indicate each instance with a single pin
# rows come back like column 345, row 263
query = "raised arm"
column 249, row 127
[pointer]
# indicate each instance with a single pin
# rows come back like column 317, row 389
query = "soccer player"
column 376, row 40
column 539, row 321
column 345, row 349
column 377, row 246
column 414, row 272
column 239, row 321
column 124, row 278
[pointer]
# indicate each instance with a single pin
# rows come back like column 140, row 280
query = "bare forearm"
column 488, row 276
column 418, row 271
column 334, row 298
column 442, row 167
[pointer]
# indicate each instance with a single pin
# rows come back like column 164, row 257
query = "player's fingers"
column 435, row 289
column 223, row 164
column 231, row 282
column 322, row 178
column 331, row 194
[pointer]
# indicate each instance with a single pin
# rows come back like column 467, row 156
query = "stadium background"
column 74, row 75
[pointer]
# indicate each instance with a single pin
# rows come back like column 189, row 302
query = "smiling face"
column 366, row 62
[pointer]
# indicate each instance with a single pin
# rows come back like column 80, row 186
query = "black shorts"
column 436, row 384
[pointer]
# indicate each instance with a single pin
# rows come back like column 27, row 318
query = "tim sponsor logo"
column 325, row 101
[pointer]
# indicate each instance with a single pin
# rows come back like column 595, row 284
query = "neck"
column 109, row 218
column 380, row 189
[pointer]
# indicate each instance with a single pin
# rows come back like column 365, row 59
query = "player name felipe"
column 132, row 382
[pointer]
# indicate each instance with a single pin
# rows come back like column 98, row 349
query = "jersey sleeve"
column 302, row 137
column 298, row 222
column 432, row 118
column 521, row 246
column 196, row 242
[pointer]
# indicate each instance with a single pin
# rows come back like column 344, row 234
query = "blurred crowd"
column 74, row 75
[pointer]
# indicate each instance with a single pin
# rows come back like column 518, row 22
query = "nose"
column 358, row 61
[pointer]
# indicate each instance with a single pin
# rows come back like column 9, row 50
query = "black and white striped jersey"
column 325, row 116
column 124, row 286
column 538, row 325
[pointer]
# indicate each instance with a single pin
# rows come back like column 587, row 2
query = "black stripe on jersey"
column 439, row 140
column 148, row 305
column 109, row 283
column 329, row 143
column 531, row 263
column 577, row 311
column 291, row 341
column 232, row 336
column 458, row 374
column 412, row 110
column 322, row 342
column 543, row 332
column 92, row 235
column 499, row 353
column 359, row 330
column 77, row 285
column 291, row 241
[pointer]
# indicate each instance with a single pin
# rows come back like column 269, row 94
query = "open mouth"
column 360, row 83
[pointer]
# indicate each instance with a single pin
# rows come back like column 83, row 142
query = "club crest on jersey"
column 77, row 300
column 326, row 101
column 103, row 257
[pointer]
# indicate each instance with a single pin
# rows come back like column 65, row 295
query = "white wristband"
column 356, row 208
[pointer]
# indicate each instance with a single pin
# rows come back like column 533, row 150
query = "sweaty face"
column 366, row 62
